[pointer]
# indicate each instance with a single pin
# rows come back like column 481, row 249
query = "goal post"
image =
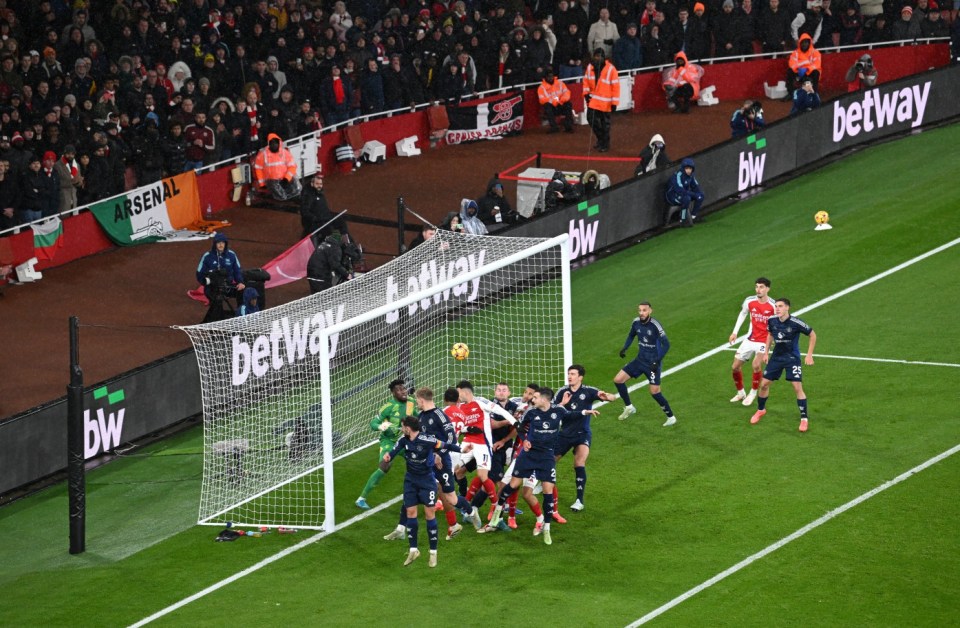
column 290, row 391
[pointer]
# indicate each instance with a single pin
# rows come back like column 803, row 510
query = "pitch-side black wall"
column 33, row 445
column 628, row 209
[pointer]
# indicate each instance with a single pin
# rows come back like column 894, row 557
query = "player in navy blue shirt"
column 575, row 433
column 419, row 483
column 784, row 336
column 536, row 461
column 435, row 423
column 652, row 346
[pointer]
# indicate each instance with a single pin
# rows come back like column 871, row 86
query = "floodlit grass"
column 667, row 508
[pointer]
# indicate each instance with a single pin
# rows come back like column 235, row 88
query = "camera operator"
column 325, row 268
column 747, row 119
column 219, row 271
column 861, row 75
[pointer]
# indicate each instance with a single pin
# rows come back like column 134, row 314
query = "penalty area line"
column 263, row 563
column 884, row 360
column 746, row 562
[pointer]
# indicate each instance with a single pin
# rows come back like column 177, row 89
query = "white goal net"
column 291, row 390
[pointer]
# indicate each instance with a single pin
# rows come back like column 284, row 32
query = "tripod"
column 220, row 307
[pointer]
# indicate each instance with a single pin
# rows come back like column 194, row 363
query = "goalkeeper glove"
column 386, row 425
column 623, row 353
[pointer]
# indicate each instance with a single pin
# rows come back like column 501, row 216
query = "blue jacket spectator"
column 805, row 99
column 220, row 257
column 628, row 50
column 250, row 302
column 747, row 119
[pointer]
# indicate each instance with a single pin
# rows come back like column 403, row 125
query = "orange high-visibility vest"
column 555, row 93
column 605, row 92
column 269, row 165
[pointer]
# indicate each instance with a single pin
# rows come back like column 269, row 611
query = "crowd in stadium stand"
column 163, row 86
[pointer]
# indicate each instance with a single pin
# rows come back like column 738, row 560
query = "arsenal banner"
column 485, row 119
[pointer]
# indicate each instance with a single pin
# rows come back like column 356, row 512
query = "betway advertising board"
column 740, row 165
column 33, row 445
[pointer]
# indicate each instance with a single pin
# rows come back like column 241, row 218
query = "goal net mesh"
column 261, row 375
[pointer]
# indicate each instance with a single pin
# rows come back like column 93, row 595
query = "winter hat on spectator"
column 49, row 155
column 153, row 117
column 15, row 95
column 728, row 3
column 49, row 52
column 204, row 80
column 69, row 149
column 907, row 9
column 4, row 139
column 34, row 53
column 272, row 58
column 209, row 57
column 699, row 7
column 70, row 99
column 16, row 138
column 307, row 49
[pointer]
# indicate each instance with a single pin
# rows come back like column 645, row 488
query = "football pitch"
column 710, row 522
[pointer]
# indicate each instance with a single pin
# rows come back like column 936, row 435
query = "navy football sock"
column 802, row 404
column 463, row 505
column 413, row 528
column 432, row 533
column 505, row 493
column 664, row 405
column 462, row 485
column 479, row 498
column 403, row 516
column 548, row 506
column 581, row 473
column 624, row 393
column 761, row 403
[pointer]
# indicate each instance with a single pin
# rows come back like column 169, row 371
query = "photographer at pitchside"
column 220, row 275
column 862, row 74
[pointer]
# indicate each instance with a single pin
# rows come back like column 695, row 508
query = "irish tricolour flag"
column 47, row 238
column 165, row 210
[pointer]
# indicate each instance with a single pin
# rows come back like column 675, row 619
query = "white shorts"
column 508, row 475
column 750, row 348
column 454, row 459
column 480, row 453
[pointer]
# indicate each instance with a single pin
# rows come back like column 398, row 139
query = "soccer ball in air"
column 821, row 217
column 460, row 351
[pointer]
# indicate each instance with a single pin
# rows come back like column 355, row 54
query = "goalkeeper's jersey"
column 392, row 411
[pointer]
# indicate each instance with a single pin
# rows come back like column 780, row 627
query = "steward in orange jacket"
column 805, row 61
column 601, row 90
column 276, row 170
column 682, row 84
column 555, row 101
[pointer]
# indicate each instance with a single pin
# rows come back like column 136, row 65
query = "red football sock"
column 512, row 502
column 738, row 379
column 756, row 380
column 537, row 510
column 474, row 487
column 556, row 497
column 451, row 516
column 491, row 490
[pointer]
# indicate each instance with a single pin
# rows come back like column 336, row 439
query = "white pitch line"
column 796, row 535
column 885, row 360
column 263, row 563
column 682, row 365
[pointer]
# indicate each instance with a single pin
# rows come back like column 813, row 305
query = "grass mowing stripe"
column 884, row 360
column 263, row 563
column 703, row 356
column 812, row 306
column 796, row 535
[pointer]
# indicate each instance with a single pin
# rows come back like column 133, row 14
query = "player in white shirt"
column 759, row 308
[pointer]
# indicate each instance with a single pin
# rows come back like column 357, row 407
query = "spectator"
column 452, row 222
column 684, row 191
column 336, row 95
column 148, row 161
column 603, row 34
column 570, row 51
column 877, row 30
column 8, row 196
column 729, row 31
column 98, row 181
column 933, row 26
column 449, row 87
column 250, row 302
column 371, row 88
column 829, row 27
column 655, row 51
column 773, row 27
column 692, row 35
column 469, row 219
column 809, row 22
column 49, row 186
column 682, row 84
column 851, row 24
column 804, row 62
column 427, row 232
column 559, row 192
column 200, row 142
column 220, row 267
column 653, row 156
column 748, row 119
column 325, row 267
column 494, row 208
column 538, row 56
column 862, row 74
column 400, row 86
column 628, row 51
column 68, row 172
column 805, row 98
column 173, row 148
column 554, row 99
column 276, row 170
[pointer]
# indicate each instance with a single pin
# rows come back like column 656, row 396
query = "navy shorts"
column 789, row 365
column 448, row 483
column 535, row 469
column 419, row 492
column 569, row 442
column 641, row 368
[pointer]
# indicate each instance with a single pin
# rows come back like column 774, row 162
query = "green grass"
column 667, row 508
